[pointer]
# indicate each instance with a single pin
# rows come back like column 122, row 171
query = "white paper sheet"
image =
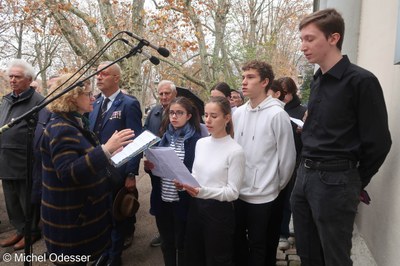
column 297, row 122
column 168, row 165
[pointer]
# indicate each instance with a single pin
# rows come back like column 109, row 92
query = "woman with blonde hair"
column 75, row 199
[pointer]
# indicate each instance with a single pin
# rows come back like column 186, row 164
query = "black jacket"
column 13, row 142
column 296, row 110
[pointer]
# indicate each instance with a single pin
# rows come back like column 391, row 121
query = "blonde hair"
column 66, row 103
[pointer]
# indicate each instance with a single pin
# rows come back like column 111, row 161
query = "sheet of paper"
column 297, row 122
column 168, row 165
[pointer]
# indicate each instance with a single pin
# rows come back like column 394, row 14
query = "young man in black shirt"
column 345, row 141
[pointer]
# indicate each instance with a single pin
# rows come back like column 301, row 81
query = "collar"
column 337, row 70
column 112, row 96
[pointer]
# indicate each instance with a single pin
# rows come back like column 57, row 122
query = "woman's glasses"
column 88, row 93
column 177, row 113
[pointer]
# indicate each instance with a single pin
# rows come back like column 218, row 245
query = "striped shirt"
column 168, row 189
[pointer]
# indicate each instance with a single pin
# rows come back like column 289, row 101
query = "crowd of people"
column 254, row 166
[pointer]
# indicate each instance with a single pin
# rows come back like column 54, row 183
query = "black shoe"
column 128, row 242
column 101, row 261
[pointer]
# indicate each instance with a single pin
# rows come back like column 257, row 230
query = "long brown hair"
column 190, row 109
column 225, row 106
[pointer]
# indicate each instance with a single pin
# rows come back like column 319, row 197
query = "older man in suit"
column 112, row 111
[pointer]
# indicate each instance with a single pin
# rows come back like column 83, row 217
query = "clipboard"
column 141, row 143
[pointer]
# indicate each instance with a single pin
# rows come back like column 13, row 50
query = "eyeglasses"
column 104, row 74
column 88, row 93
column 177, row 113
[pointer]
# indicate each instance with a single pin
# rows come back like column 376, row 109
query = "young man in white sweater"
column 262, row 128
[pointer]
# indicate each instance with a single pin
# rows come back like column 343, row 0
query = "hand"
column 364, row 197
column 130, row 184
column 119, row 139
column 305, row 116
column 178, row 185
column 193, row 191
column 148, row 165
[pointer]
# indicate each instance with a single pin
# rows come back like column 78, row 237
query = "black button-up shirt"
column 347, row 118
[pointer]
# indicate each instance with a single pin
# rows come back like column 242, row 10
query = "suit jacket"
column 153, row 120
column 124, row 113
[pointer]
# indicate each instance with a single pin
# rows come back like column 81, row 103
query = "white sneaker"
column 283, row 243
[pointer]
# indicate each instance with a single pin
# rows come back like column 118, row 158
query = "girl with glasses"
column 181, row 130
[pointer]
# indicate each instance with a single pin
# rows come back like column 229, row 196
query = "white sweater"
column 266, row 136
column 218, row 167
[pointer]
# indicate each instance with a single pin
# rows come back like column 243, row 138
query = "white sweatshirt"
column 266, row 136
column 218, row 167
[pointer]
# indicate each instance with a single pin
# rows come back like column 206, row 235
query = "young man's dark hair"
column 328, row 21
column 263, row 68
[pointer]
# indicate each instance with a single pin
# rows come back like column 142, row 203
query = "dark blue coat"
column 124, row 113
column 76, row 190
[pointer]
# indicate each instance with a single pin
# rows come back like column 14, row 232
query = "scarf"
column 187, row 131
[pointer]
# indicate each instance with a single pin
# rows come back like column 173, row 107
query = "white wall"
column 379, row 223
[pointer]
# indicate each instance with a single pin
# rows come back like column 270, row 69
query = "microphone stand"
column 30, row 118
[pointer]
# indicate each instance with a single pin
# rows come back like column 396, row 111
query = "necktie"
column 104, row 107
column 100, row 117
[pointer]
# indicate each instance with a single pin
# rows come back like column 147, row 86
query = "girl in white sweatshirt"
column 219, row 168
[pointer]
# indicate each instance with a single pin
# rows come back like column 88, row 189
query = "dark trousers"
column 251, row 232
column 15, row 198
column 287, row 209
column 274, row 228
column 324, row 206
column 120, row 230
column 172, row 228
column 210, row 233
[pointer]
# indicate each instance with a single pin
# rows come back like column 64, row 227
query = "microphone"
column 152, row 59
column 161, row 50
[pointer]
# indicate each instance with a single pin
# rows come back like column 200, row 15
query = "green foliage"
column 305, row 87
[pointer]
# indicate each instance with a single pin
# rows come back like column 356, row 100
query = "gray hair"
column 29, row 72
column 165, row 82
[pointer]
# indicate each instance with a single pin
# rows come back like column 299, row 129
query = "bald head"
column 108, row 79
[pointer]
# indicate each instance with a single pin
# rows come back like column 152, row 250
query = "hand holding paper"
column 168, row 165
